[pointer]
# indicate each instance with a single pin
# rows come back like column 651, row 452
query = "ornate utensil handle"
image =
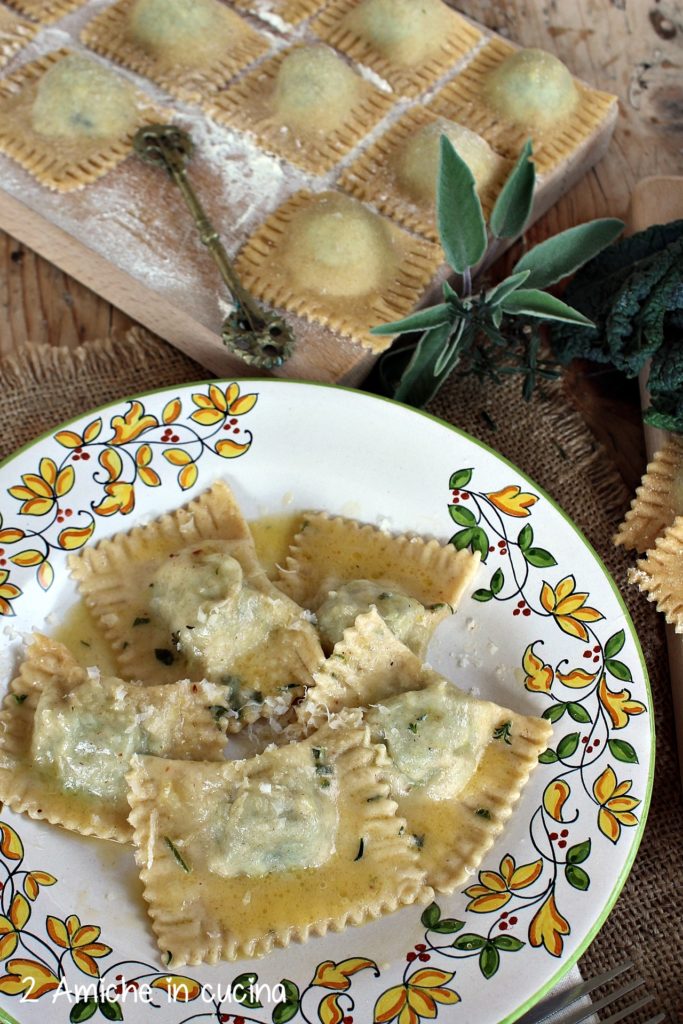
column 259, row 336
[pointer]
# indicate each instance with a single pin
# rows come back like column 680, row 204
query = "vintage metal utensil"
column 260, row 337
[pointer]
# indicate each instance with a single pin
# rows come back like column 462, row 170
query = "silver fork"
column 565, row 999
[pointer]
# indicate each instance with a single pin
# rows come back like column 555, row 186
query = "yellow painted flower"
column 33, row 882
column 135, row 422
column 178, row 987
column 10, row 927
column 120, row 498
column 418, row 998
column 330, row 1011
column 568, row 608
column 29, row 979
column 11, row 845
column 555, row 797
column 218, row 404
column 548, row 926
column 513, row 501
column 495, row 888
column 539, row 676
column 618, row 704
column 616, row 808
column 40, row 491
column 80, row 940
column 8, row 592
column 337, row 976
column 577, row 678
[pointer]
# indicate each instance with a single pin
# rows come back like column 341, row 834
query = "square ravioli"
column 409, row 45
column 508, row 95
column 15, row 32
column 185, row 595
column 307, row 104
column 189, row 47
column 398, row 172
column 339, row 568
column 241, row 858
column 274, row 12
column 455, row 765
column 67, row 737
column 658, row 500
column 329, row 258
column 68, row 120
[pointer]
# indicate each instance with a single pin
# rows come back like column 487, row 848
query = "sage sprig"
column 495, row 331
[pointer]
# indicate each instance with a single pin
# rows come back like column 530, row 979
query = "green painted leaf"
column 578, row 712
column 495, row 296
column 568, row 744
column 241, row 990
column 489, row 960
column 111, row 1010
column 460, row 478
column 289, row 1008
column 563, row 254
column 579, row 853
column 508, row 943
column 623, row 751
column 554, row 712
column 532, row 302
column 497, row 581
column 448, row 926
column 525, row 537
column 619, row 670
column 461, row 515
column 539, row 557
column 468, row 942
column 431, row 915
column 462, row 538
column 614, row 644
column 83, row 1010
column 577, row 877
column 423, row 319
column 459, row 216
column 513, row 205
column 548, row 757
column 482, row 595
column 480, row 542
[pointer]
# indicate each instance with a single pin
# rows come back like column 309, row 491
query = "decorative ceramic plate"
column 545, row 631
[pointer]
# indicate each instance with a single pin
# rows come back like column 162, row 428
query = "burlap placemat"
column 43, row 386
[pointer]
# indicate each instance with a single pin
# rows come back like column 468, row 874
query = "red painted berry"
column 504, row 915
column 492, row 548
column 584, row 739
column 513, row 920
column 589, row 749
column 455, row 493
column 564, row 833
column 2, row 551
column 233, row 422
column 85, row 456
column 3, row 561
column 238, row 1020
column 562, row 843
column 347, row 1020
column 175, row 438
column 596, row 649
column 420, row 947
column 456, row 501
column 465, row 496
column 515, row 611
column 586, row 654
column 503, row 926
column 501, row 543
column 78, row 450
column 424, row 957
column 596, row 743
column 503, row 551
column 410, row 957
column 527, row 611
column 236, row 430
column 553, row 837
column 596, row 658
column 69, row 512
column 521, row 604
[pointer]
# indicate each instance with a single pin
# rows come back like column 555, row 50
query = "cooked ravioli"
column 185, row 595
column 409, row 620
column 434, row 737
column 455, row 765
column 69, row 736
column 222, row 881
column 658, row 499
column 402, row 31
column 78, row 97
column 532, row 87
column 417, row 163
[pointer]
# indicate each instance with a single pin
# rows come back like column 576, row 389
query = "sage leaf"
column 459, row 216
column 562, row 254
column 496, row 295
column 532, row 302
column 513, row 205
column 449, row 348
column 418, row 383
column 432, row 316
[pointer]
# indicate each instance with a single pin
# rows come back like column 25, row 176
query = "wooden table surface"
column 633, row 48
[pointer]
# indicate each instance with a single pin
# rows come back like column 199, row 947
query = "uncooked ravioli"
column 78, row 98
column 315, row 89
column 402, row 31
column 417, row 163
column 532, row 87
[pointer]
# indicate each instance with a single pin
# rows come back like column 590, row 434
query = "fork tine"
column 629, row 1010
column 565, row 999
column 583, row 1013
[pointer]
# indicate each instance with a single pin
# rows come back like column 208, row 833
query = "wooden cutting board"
column 128, row 238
